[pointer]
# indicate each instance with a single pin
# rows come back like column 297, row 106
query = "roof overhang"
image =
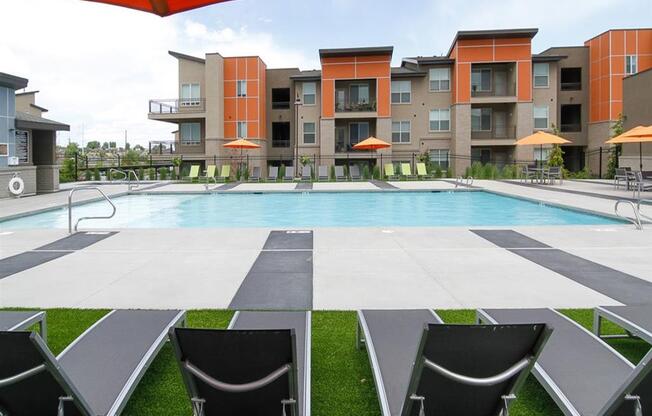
column 12, row 81
column 187, row 57
column 32, row 122
column 492, row 34
column 374, row 50
column 548, row 58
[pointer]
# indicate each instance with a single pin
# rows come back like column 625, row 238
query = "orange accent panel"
column 617, row 87
column 512, row 53
column 229, row 88
column 229, row 109
column 630, row 37
column 476, row 54
column 383, row 97
column 644, row 62
column 513, row 41
column 604, row 67
column 374, row 58
column 252, row 68
column 252, row 88
column 463, row 83
column 371, row 70
column 618, row 42
column 618, row 65
column 252, row 129
column 338, row 59
column 338, row 71
column 604, row 110
column 252, row 109
column 229, row 129
column 645, row 41
column 328, row 98
column 262, row 100
column 229, row 69
column 242, row 68
column 616, row 108
column 524, row 76
column 475, row 42
column 241, row 104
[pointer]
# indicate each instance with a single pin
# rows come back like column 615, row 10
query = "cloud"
column 96, row 66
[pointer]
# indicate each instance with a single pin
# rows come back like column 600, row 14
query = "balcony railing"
column 508, row 132
column 175, row 106
column 508, row 91
column 571, row 86
column 570, row 127
column 276, row 143
column 353, row 106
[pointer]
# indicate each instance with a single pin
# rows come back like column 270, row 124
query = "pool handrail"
column 637, row 215
column 86, row 187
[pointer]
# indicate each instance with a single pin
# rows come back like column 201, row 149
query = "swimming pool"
column 284, row 210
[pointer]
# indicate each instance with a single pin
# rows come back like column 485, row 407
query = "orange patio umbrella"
column 374, row 144
column 161, row 7
column 540, row 138
column 241, row 144
column 640, row 135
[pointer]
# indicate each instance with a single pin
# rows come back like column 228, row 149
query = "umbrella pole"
column 640, row 155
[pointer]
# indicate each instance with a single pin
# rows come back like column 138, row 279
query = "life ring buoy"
column 16, row 186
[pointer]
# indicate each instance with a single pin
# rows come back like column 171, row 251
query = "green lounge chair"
column 194, row 173
column 406, row 171
column 210, row 174
column 422, row 172
column 225, row 173
column 389, row 172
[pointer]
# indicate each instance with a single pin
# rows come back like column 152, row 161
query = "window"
column 541, row 117
column 440, row 120
column 309, row 134
column 309, row 93
column 190, row 133
column 358, row 132
column 439, row 157
column 281, row 134
column 440, row 79
column 481, row 80
column 280, row 98
column 401, row 92
column 4, row 149
column 570, row 118
column 189, row 95
column 242, row 129
column 630, row 64
column 241, row 88
column 359, row 93
column 571, row 79
column 541, row 154
column 400, row 132
column 481, row 119
column 541, row 72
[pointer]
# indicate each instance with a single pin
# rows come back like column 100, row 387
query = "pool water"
column 284, row 210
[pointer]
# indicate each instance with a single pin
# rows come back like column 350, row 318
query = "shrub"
column 476, row 169
column 507, row 172
column 449, row 172
column 173, row 174
column 281, row 171
column 163, row 172
column 141, row 173
column 376, row 172
column 96, row 174
column 87, row 175
column 151, row 174
column 489, row 171
column 468, row 172
column 332, row 173
column 365, row 172
column 438, row 171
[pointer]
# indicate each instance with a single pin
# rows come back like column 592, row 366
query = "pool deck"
column 393, row 267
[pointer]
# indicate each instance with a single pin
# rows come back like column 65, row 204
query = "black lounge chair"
column 289, row 174
column 339, row 173
column 260, row 365
column 354, row 172
column 423, row 366
column 635, row 319
column 306, row 173
column 583, row 374
column 255, row 174
column 273, row 174
column 323, row 173
column 22, row 320
column 94, row 376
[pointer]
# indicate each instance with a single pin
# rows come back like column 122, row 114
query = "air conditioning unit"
column 12, row 161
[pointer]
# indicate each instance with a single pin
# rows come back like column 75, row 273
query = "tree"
column 556, row 155
column 93, row 144
column 617, row 129
column 105, row 146
column 67, row 172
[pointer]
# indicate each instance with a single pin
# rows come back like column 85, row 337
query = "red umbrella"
column 161, row 7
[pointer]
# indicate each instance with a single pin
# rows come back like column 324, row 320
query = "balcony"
column 346, row 106
column 355, row 98
column 493, row 83
column 496, row 136
column 176, row 108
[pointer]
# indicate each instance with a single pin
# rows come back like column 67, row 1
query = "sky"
column 96, row 66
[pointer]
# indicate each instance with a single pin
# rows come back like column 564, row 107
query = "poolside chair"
column 193, row 174
column 422, row 366
column 422, row 172
column 260, row 365
column 306, row 173
column 289, row 174
column 255, row 174
column 95, row 375
column 552, row 173
column 210, row 174
column 225, row 173
column 389, row 172
column 354, row 173
column 639, row 184
column 621, row 176
column 406, row 171
column 583, row 374
column 23, row 320
column 528, row 173
column 323, row 173
column 339, row 173
column 272, row 175
column 636, row 320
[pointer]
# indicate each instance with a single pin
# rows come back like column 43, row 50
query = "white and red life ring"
column 16, row 186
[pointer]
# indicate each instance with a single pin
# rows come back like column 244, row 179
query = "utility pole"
column 297, row 103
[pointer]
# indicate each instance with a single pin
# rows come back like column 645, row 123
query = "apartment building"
column 468, row 105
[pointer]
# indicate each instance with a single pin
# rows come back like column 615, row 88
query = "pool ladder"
column 86, row 187
column 636, row 208
column 126, row 177
column 462, row 181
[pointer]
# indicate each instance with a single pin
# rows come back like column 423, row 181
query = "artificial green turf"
column 342, row 383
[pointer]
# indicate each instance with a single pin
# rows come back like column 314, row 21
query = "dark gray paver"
column 289, row 240
column 382, row 184
column 304, row 186
column 76, row 241
column 227, row 186
column 620, row 286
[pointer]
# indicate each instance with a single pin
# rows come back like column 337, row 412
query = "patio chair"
column 406, row 171
column 422, row 172
column 94, row 376
column 621, row 176
column 260, row 365
column 638, row 183
column 552, row 173
column 225, row 173
column 193, row 174
column 255, row 174
column 583, row 374
column 339, row 173
column 527, row 173
column 636, row 320
column 272, row 175
column 323, row 173
column 306, row 173
column 389, row 172
column 210, row 174
column 354, row 173
column 289, row 174
column 423, row 366
column 23, row 320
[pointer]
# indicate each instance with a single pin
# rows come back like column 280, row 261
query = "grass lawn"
column 342, row 383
